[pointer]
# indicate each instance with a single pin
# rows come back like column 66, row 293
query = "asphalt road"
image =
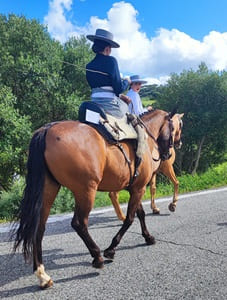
column 188, row 261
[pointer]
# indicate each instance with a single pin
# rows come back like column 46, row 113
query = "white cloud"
column 58, row 26
column 152, row 57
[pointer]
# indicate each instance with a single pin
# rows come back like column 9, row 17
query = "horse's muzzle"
column 178, row 144
column 165, row 156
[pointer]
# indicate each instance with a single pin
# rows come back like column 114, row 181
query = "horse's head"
column 164, row 128
column 177, row 125
column 165, row 138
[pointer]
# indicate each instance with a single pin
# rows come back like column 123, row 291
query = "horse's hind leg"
column 169, row 172
column 80, row 225
column 114, row 196
column 154, row 208
column 51, row 189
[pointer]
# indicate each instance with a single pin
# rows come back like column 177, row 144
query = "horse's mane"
column 147, row 112
column 147, row 115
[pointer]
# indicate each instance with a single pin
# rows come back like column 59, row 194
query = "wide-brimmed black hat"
column 103, row 35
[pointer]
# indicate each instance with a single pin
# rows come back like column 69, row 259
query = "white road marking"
column 59, row 218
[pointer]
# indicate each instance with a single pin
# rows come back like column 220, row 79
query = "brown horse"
column 75, row 155
column 163, row 166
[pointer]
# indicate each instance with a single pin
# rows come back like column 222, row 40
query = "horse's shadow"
column 13, row 268
column 222, row 224
column 64, row 226
column 157, row 215
column 35, row 288
column 99, row 219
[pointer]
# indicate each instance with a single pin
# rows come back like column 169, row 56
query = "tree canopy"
column 202, row 96
column 15, row 131
column 42, row 81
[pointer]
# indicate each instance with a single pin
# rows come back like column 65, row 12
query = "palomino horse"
column 166, row 166
column 75, row 155
column 163, row 166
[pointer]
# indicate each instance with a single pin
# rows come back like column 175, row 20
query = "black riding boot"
column 137, row 164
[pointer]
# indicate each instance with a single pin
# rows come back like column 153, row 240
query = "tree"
column 201, row 95
column 15, row 132
column 77, row 54
column 30, row 66
column 47, row 78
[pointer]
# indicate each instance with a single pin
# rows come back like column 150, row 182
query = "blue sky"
column 156, row 37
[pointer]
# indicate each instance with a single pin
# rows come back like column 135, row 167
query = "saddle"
column 116, row 129
column 110, row 127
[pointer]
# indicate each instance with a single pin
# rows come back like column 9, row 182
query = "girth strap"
column 119, row 145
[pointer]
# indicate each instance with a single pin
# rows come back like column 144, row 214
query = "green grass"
column 146, row 102
column 213, row 178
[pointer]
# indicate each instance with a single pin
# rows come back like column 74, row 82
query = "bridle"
column 170, row 144
column 179, row 142
column 170, row 141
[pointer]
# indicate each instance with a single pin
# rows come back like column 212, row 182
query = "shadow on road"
column 35, row 288
column 222, row 224
column 13, row 268
column 64, row 226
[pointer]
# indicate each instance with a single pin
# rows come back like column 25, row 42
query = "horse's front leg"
column 114, row 196
column 150, row 240
column 135, row 198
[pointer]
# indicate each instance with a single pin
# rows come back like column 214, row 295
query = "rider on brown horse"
column 103, row 76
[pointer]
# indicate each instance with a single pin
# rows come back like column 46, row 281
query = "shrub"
column 10, row 201
column 64, row 202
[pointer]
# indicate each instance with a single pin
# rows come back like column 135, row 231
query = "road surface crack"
column 193, row 246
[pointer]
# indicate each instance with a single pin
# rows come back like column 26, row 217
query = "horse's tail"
column 31, row 204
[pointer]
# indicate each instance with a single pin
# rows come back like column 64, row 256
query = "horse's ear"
column 173, row 112
column 181, row 115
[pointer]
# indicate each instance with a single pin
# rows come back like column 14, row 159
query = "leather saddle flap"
column 120, row 128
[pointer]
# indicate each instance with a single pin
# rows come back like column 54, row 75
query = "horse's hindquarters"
column 75, row 154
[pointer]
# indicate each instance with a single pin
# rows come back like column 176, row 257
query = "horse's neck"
column 154, row 125
column 175, row 126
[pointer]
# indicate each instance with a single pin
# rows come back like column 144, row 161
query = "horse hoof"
column 172, row 207
column 109, row 253
column 150, row 240
column 47, row 285
column 156, row 211
column 98, row 263
column 122, row 218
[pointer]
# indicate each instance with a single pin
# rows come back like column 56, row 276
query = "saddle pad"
column 120, row 129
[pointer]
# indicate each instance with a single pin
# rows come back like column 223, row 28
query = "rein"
column 151, row 135
column 148, row 131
